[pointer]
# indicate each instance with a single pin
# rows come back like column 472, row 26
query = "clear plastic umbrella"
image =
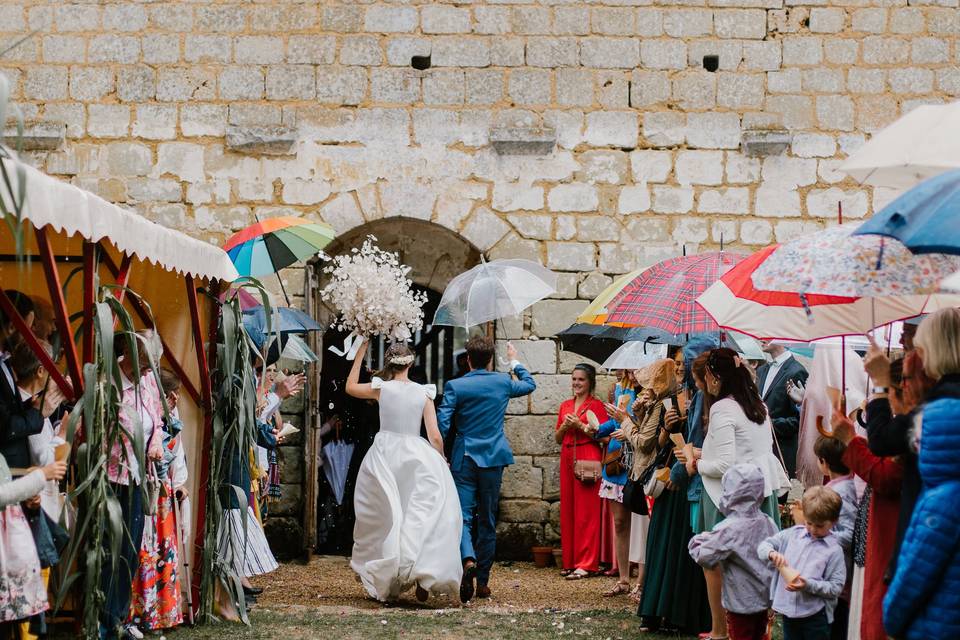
column 297, row 349
column 493, row 290
column 338, row 454
column 635, row 355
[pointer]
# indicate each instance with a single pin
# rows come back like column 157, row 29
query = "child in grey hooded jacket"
column 733, row 546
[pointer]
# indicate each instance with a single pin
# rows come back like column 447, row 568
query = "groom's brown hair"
column 479, row 351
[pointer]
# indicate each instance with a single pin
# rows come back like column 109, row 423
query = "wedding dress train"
column 408, row 523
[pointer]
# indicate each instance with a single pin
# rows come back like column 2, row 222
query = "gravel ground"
column 328, row 581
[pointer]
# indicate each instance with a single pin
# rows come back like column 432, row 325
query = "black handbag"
column 634, row 498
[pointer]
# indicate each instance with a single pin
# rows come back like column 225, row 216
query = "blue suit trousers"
column 479, row 491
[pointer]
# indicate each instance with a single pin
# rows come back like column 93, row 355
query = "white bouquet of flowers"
column 370, row 289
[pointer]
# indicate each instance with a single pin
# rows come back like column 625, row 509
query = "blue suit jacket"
column 479, row 402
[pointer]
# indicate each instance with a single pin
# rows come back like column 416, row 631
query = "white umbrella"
column 635, row 354
column 297, row 349
column 919, row 145
column 493, row 290
column 338, row 455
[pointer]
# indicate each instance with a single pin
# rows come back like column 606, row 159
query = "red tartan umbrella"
column 664, row 296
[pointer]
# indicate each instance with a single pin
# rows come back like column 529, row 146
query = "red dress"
column 580, row 520
column 885, row 476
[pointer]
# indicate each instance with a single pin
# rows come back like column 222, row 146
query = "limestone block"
column 483, row 86
column 63, row 49
column 814, row 145
column 699, row 167
column 551, row 473
column 108, row 120
column 672, row 199
column 866, row 81
column 943, row 21
column 530, row 20
column 663, row 54
column 649, row 88
column 514, row 197
column 732, row 200
column 603, row 166
column 742, row 169
column 341, row 85
column 390, row 19
column 777, row 201
column 802, row 50
column 444, row 19
column 491, row 20
column 875, row 112
column 822, row 203
column 789, row 172
column 401, row 86
column 827, row 20
column 90, row 84
column 882, row 50
column 168, row 17
column 514, row 540
column 687, row 23
column 360, row 51
column 747, row 24
column 291, row 82
column 127, row 159
column 570, row 256
column 869, row 20
column 254, row 114
column 298, row 191
column 38, row 136
column 835, row 112
column 649, row 22
column 786, row 81
column 532, row 511
column 568, row 125
column 218, row 48
column 522, row 141
column 571, row 20
column 136, row 84
column 695, row 90
column 154, row 190
column 844, row 51
column 155, row 122
column 573, row 197
column 907, row 20
column 634, row 199
column 202, row 120
column 538, row 356
column 787, row 230
column 911, row 80
column 12, row 17
column 612, row 128
column 290, row 502
column 713, row 130
column 261, row 140
column 948, row 81
column 665, row 128
column 535, row 226
column 729, row 52
column 407, row 199
column 452, row 51
column 522, row 479
column 823, row 80
column 762, row 56
column 45, row 83
column 592, row 285
column 610, row 53
column 529, row 86
column 533, row 435
column 220, row 18
column 241, row 83
column 740, row 90
column 792, row 20
column 484, row 229
column 507, row 52
column 552, row 52
column 574, row 86
column 443, row 86
column 185, row 83
column 598, row 228
column 796, row 111
column 691, row 230
column 613, row 21
column 513, row 246
column 756, row 232
column 112, row 48
column 651, row 166
column 214, row 191
column 929, row 50
column 309, row 49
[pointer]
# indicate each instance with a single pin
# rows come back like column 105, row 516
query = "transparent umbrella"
column 635, row 355
column 338, row 454
column 493, row 290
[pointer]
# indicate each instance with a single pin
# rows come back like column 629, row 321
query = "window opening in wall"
column 420, row 63
column 711, row 63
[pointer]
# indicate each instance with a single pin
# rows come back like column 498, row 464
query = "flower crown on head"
column 401, row 361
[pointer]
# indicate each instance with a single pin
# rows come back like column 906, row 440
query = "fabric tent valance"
column 71, row 210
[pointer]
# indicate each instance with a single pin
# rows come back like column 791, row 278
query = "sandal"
column 565, row 572
column 636, row 593
column 578, row 574
column 618, row 589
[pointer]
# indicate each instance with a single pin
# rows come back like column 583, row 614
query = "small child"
column 732, row 545
column 829, row 452
column 808, row 601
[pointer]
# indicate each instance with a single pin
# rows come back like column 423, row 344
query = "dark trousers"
column 479, row 490
column 813, row 627
column 117, row 584
column 841, row 620
column 747, row 626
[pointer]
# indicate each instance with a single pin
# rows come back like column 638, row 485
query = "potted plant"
column 542, row 556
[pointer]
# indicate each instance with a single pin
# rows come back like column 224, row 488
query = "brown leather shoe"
column 422, row 594
column 483, row 591
column 466, row 584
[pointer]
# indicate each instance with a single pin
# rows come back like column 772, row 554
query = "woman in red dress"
column 580, row 520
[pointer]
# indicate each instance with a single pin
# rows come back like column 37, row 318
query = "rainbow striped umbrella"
column 268, row 246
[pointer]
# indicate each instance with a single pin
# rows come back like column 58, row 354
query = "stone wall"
column 594, row 136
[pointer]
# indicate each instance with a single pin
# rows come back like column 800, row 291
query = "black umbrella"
column 598, row 342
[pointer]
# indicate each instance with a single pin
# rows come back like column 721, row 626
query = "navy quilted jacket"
column 924, row 599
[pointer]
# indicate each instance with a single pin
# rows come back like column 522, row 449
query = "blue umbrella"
column 285, row 320
column 925, row 219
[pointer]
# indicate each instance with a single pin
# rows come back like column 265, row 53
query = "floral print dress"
column 22, row 593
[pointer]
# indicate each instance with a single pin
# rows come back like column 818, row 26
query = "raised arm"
column 355, row 389
column 524, row 385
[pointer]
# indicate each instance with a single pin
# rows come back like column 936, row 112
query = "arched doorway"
column 435, row 255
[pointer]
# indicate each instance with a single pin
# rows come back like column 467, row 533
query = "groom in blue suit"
column 477, row 403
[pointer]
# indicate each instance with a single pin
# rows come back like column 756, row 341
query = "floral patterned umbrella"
column 834, row 262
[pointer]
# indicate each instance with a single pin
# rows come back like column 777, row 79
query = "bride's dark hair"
column 399, row 357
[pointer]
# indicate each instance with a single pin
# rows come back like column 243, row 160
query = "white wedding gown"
column 408, row 513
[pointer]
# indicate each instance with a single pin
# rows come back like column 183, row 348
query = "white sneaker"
column 132, row 631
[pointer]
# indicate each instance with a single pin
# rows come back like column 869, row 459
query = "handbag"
column 613, row 462
column 653, row 479
column 586, row 471
column 634, row 498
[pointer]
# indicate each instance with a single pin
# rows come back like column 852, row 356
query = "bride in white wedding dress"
column 409, row 522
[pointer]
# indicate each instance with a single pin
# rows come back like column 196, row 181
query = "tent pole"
column 89, row 297
column 209, row 364
column 61, row 315
column 122, row 280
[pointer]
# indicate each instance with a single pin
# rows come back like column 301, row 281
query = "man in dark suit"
column 772, row 379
